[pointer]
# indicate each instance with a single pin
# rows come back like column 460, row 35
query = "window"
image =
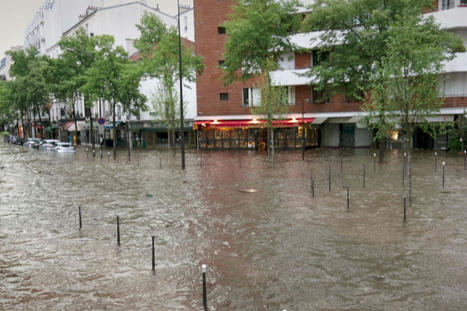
column 221, row 30
column 447, row 4
column 251, row 96
column 291, row 95
column 224, row 96
column 222, row 63
column 319, row 56
column 185, row 21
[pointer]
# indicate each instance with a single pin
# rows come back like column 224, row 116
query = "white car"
column 64, row 148
column 48, row 144
column 32, row 142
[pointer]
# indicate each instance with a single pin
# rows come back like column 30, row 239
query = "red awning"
column 251, row 123
column 67, row 125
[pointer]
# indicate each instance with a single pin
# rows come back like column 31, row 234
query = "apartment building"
column 224, row 119
column 58, row 18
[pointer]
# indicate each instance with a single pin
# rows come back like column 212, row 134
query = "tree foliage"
column 159, row 47
column 258, row 36
column 406, row 79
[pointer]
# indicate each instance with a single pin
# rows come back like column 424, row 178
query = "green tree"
column 67, row 73
column 159, row 50
column 6, row 113
column 129, row 95
column 258, row 35
column 114, row 79
column 357, row 34
column 28, row 91
column 410, row 72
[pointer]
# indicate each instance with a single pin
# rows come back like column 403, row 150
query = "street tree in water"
column 159, row 49
column 29, row 92
column 258, row 36
column 354, row 36
column 113, row 78
column 407, row 79
column 67, row 73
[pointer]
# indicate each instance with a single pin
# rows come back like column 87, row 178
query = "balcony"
column 452, row 18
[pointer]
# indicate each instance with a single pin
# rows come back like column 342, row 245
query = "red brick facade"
column 209, row 15
column 302, row 61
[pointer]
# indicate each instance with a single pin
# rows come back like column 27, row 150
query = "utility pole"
column 182, row 134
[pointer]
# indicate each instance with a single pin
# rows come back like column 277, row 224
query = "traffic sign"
column 101, row 121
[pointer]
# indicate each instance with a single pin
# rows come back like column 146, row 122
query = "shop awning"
column 252, row 123
column 320, row 120
column 70, row 126
column 67, row 125
column 110, row 125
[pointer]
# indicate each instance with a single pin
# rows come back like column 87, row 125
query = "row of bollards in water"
column 153, row 266
column 404, row 169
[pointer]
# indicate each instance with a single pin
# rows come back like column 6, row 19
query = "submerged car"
column 32, row 142
column 48, row 144
column 64, row 148
column 16, row 140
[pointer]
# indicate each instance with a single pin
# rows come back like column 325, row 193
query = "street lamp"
column 303, row 130
column 181, row 89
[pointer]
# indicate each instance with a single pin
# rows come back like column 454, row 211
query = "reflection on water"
column 268, row 249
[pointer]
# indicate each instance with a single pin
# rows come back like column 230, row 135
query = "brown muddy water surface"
column 267, row 243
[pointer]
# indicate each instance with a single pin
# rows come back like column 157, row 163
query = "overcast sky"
column 16, row 15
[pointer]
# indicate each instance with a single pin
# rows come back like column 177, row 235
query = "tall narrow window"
column 291, row 95
column 185, row 21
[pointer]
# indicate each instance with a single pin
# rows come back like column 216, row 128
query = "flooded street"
column 271, row 249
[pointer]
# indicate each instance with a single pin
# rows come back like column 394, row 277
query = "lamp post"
column 303, row 130
column 182, row 134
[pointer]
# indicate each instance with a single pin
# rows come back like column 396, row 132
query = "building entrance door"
column 347, row 137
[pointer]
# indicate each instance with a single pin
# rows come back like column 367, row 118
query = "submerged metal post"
column 329, row 175
column 374, row 163
column 80, row 223
column 403, row 169
column 205, row 296
column 348, row 197
column 153, row 255
column 405, row 209
column 444, row 163
column 118, row 231
column 108, row 156
column 436, row 162
column 312, row 187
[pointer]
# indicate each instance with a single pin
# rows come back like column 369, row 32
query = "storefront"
column 252, row 134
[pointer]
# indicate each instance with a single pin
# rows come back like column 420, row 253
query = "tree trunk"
column 40, row 119
column 129, row 141
column 114, row 131
column 24, row 126
column 76, row 124
column 34, row 131
column 91, row 133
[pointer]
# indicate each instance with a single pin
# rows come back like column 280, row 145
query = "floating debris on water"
column 249, row 190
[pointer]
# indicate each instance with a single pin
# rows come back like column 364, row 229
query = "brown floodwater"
column 272, row 247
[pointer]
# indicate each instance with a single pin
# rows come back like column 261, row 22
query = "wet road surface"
column 270, row 249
